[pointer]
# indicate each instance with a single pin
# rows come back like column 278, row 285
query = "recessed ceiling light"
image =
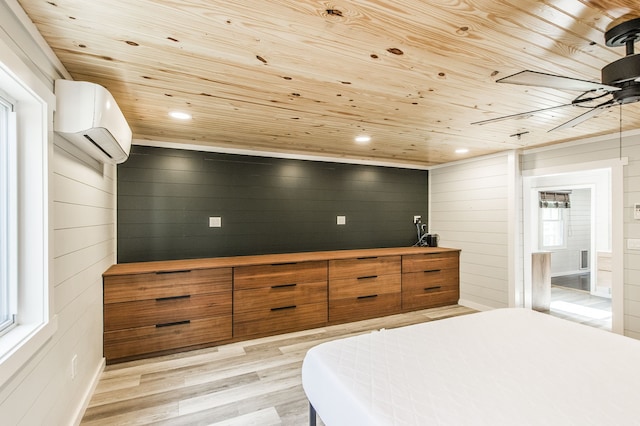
column 363, row 139
column 180, row 115
column 462, row 151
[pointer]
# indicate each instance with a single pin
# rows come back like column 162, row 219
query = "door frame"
column 615, row 167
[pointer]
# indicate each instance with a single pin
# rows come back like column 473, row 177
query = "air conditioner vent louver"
column 88, row 116
column 98, row 146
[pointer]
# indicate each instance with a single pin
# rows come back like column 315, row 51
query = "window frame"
column 30, row 262
column 7, row 202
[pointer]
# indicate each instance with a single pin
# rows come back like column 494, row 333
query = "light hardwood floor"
column 255, row 382
column 580, row 306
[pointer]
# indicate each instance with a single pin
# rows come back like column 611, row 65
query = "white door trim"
column 617, row 228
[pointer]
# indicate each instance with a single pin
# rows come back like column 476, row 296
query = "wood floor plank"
column 266, row 417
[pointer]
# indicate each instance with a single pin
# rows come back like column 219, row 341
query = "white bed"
column 500, row 367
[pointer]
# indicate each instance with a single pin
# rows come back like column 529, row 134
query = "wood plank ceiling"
column 308, row 76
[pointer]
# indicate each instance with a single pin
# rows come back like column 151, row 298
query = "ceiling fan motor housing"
column 622, row 70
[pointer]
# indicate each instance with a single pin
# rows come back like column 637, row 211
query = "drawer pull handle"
column 172, row 272
column 284, row 264
column 370, row 296
column 282, row 308
column 370, row 257
column 170, row 324
column 162, row 299
column 432, row 288
column 431, row 270
column 283, row 285
column 368, row 277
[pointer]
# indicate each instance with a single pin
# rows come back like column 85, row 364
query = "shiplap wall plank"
column 70, row 240
column 468, row 209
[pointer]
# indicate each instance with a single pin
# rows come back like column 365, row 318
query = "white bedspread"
column 501, row 367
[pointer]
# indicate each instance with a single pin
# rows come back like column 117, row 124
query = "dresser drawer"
column 430, row 280
column 278, row 274
column 146, row 340
column 359, row 308
column 278, row 320
column 429, row 289
column 364, row 267
column 430, row 299
column 279, row 295
column 124, row 288
column 141, row 313
column 429, row 262
column 353, row 288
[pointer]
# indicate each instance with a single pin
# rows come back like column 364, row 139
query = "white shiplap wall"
column 82, row 221
column 595, row 151
column 469, row 209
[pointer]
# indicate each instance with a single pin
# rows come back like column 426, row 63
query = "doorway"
column 582, row 241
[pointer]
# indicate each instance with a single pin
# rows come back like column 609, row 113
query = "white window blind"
column 555, row 200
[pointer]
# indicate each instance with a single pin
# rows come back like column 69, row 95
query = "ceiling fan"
column 620, row 80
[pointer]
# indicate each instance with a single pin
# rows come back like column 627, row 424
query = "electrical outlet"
column 74, row 366
column 215, row 222
column 341, row 220
column 417, row 219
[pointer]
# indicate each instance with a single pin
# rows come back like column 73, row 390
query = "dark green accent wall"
column 267, row 205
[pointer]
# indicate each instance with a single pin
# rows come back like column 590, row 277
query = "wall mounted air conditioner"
column 88, row 116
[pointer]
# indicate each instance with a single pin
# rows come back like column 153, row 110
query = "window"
column 552, row 228
column 553, row 216
column 7, row 147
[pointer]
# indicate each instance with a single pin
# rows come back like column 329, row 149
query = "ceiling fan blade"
column 521, row 114
column 535, row 78
column 583, row 117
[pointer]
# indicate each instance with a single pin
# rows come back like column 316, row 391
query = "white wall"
column 469, row 209
column 82, row 218
column 594, row 151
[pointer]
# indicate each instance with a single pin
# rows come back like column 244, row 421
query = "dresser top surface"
column 265, row 259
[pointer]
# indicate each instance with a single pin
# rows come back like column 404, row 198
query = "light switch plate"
column 341, row 220
column 215, row 222
column 633, row 244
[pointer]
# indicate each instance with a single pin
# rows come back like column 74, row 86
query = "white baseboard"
column 474, row 305
column 84, row 403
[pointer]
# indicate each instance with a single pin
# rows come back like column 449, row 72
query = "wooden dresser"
column 153, row 308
